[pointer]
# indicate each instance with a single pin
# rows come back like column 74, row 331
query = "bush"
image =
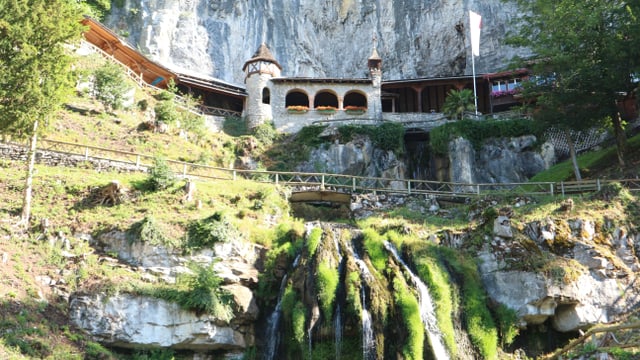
column 167, row 112
column 199, row 291
column 327, row 281
column 110, row 86
column 208, row 231
column 160, row 175
column 265, row 133
column 390, row 137
column 147, row 230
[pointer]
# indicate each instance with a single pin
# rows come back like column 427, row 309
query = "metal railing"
column 336, row 182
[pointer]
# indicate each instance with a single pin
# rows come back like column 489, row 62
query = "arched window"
column 266, row 96
column 296, row 98
column 325, row 98
column 355, row 99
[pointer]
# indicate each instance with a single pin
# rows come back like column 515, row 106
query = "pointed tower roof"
column 262, row 54
column 374, row 55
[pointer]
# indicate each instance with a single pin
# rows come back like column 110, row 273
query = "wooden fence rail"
column 336, row 182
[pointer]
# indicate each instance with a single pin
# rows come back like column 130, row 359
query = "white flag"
column 475, row 21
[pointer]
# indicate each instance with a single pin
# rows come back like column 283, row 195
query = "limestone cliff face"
column 327, row 38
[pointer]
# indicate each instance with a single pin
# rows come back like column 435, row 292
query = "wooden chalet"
column 428, row 94
column 218, row 97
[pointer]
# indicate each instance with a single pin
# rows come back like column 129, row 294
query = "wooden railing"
column 336, row 182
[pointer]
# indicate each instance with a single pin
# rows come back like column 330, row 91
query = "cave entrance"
column 418, row 155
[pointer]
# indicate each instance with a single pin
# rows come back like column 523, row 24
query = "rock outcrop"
column 132, row 321
column 500, row 160
column 582, row 283
column 310, row 39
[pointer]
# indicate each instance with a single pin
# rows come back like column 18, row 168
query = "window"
column 266, row 96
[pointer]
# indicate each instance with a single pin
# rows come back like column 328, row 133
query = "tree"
column 34, row 67
column 457, row 103
column 586, row 53
column 111, row 86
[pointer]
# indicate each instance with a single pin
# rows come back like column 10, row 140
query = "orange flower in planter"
column 297, row 108
column 325, row 108
column 355, row 108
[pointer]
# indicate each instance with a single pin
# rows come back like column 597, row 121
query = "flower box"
column 355, row 110
column 297, row 109
column 325, row 109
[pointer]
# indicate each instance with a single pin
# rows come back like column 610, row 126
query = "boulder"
column 136, row 322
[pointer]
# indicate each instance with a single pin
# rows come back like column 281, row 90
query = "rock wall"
column 502, row 160
column 328, row 38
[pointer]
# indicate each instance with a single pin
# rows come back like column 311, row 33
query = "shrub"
column 265, row 133
column 208, row 231
column 410, row 309
column 110, row 86
column 167, row 112
column 147, row 230
column 507, row 324
column 160, row 175
column 327, row 280
column 199, row 291
column 390, row 137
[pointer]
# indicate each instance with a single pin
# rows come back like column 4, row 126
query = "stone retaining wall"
column 53, row 158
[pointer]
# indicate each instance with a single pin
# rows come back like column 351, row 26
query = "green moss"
column 410, row 309
column 298, row 321
column 480, row 325
column 439, row 284
column 327, row 281
column 313, row 240
column 352, row 286
column 374, row 246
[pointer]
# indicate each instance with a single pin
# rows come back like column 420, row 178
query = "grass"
column 410, row 310
column 373, row 244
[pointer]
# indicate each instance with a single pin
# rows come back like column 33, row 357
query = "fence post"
column 478, row 187
column 353, row 184
column 184, row 170
column 598, row 182
column 137, row 161
column 551, row 188
column 276, row 178
column 86, row 153
column 409, row 187
column 562, row 187
column 322, row 183
column 234, row 174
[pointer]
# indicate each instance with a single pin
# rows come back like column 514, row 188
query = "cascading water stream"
column 273, row 325
column 426, row 308
column 368, row 338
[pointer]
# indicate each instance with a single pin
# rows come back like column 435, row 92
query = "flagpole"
column 475, row 22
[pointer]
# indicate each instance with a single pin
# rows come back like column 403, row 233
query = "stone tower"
column 375, row 73
column 258, row 72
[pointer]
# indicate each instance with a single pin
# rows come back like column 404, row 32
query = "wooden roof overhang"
column 105, row 39
column 509, row 74
column 212, row 85
column 423, row 82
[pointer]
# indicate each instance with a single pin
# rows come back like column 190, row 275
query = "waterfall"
column 426, row 307
column 273, row 324
column 368, row 338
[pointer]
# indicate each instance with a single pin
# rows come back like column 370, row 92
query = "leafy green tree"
column 586, row 53
column 111, row 86
column 457, row 103
column 34, row 68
